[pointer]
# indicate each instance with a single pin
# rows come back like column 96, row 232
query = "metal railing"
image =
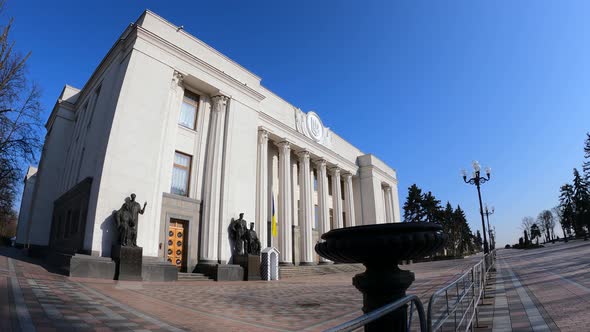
column 455, row 306
column 451, row 308
column 387, row 309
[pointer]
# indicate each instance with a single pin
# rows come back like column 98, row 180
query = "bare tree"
column 526, row 224
column 20, row 118
column 546, row 223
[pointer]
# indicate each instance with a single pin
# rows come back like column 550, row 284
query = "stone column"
column 391, row 204
column 323, row 210
column 294, row 181
column 284, row 204
column 337, row 197
column 212, row 193
column 262, row 187
column 388, row 210
column 306, row 201
column 348, row 200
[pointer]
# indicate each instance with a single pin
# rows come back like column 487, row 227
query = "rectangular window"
column 188, row 110
column 181, row 174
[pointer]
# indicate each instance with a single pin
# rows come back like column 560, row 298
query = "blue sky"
column 427, row 86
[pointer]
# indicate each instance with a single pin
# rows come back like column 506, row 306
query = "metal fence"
column 451, row 308
column 455, row 306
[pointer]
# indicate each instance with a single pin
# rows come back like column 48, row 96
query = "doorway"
column 177, row 234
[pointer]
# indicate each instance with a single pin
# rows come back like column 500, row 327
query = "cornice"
column 191, row 59
column 380, row 172
column 201, row 43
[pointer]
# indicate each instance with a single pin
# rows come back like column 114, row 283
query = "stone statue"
column 252, row 241
column 238, row 231
column 126, row 219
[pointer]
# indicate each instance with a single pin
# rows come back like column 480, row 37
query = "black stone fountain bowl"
column 381, row 243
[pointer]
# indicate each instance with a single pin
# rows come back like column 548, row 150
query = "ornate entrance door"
column 176, row 243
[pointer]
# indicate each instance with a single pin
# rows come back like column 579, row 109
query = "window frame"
column 189, row 169
column 192, row 102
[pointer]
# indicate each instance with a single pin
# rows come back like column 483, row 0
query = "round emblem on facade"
column 178, row 262
column 170, row 242
column 169, row 251
column 170, row 260
column 315, row 126
column 178, row 252
column 179, row 243
column 171, row 233
column 179, row 234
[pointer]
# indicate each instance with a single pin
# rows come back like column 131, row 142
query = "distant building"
column 198, row 137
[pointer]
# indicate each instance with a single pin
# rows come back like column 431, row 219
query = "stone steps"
column 314, row 270
column 182, row 276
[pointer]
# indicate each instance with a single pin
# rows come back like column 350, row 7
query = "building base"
column 86, row 266
column 157, row 269
column 221, row 272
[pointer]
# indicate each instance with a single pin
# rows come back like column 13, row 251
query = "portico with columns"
column 314, row 189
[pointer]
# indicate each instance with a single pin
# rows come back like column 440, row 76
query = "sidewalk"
column 544, row 289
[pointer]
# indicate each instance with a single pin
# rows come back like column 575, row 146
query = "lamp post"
column 478, row 180
column 487, row 213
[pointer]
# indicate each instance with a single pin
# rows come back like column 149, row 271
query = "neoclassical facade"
column 197, row 136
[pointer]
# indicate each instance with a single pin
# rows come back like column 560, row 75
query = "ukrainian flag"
column 273, row 221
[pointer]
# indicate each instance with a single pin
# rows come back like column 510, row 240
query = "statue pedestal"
column 128, row 262
column 251, row 265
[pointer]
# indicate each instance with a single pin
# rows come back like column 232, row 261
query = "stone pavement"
column 34, row 298
column 545, row 289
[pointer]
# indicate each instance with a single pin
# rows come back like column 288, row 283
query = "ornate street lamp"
column 478, row 180
column 487, row 213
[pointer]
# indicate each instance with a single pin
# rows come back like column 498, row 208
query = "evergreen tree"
column 526, row 238
column 566, row 209
column 478, row 241
column 586, row 165
column 581, row 204
column 414, row 207
column 463, row 232
column 449, row 228
column 432, row 208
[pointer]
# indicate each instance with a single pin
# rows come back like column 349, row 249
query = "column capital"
column 303, row 154
column 177, row 78
column 219, row 102
column 387, row 188
column 321, row 162
column 347, row 176
column 283, row 145
column 262, row 135
column 335, row 170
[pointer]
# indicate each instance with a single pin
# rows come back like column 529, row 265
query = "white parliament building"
column 196, row 135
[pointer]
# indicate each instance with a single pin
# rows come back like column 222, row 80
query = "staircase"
column 315, row 270
column 182, row 276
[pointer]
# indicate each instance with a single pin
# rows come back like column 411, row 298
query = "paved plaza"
column 534, row 290
column 545, row 289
